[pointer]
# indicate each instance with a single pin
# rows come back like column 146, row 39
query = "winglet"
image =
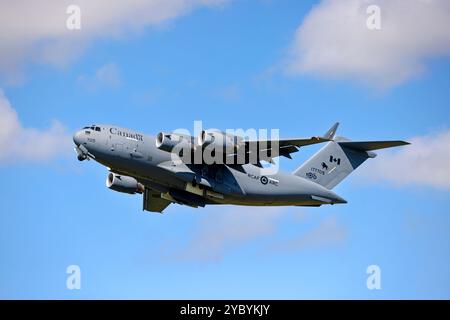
column 331, row 132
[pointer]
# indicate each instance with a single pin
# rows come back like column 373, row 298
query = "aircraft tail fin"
column 338, row 158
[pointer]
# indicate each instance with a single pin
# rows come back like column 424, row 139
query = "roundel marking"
column 264, row 180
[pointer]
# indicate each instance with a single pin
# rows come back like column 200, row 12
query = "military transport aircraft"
column 231, row 172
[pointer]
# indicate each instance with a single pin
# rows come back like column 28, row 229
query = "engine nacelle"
column 168, row 142
column 205, row 138
column 217, row 140
column 123, row 184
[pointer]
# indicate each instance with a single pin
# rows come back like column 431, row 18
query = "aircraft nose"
column 78, row 138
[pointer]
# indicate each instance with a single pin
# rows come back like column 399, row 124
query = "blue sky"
column 231, row 64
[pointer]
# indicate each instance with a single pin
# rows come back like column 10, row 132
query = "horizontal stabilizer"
column 372, row 145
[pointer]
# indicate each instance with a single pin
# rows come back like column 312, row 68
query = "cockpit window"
column 93, row 127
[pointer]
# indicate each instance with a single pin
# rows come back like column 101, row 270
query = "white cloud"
column 107, row 75
column 35, row 31
column 328, row 232
column 19, row 144
column 334, row 41
column 222, row 232
column 424, row 162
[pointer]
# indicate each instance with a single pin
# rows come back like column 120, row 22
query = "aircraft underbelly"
column 270, row 201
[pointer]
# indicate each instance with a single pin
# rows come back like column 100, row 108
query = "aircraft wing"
column 282, row 147
column 153, row 202
column 247, row 151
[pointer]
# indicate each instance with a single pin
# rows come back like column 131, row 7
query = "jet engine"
column 166, row 142
column 123, row 184
column 217, row 140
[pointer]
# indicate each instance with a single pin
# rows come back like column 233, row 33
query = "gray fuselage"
column 135, row 154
